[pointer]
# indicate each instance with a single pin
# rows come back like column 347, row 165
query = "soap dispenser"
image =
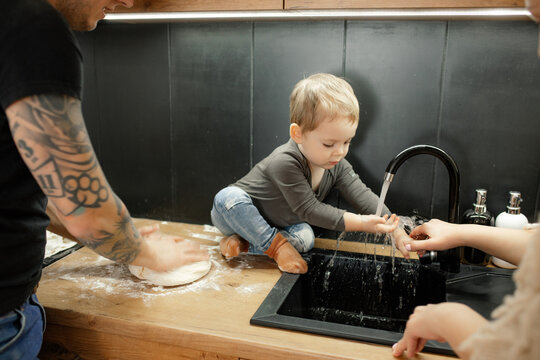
column 481, row 216
column 511, row 218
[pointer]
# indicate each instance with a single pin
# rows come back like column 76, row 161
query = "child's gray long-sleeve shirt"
column 280, row 186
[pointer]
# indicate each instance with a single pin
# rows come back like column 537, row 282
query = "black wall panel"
column 90, row 101
column 491, row 112
column 210, row 102
column 395, row 69
column 132, row 78
column 285, row 53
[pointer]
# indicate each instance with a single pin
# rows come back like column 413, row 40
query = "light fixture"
column 314, row 15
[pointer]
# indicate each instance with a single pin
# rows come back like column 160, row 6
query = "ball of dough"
column 182, row 275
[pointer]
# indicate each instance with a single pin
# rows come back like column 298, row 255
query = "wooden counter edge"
column 153, row 335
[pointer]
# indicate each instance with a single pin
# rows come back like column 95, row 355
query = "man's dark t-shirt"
column 38, row 55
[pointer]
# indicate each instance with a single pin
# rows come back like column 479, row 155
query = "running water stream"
column 380, row 205
column 386, row 238
column 384, row 190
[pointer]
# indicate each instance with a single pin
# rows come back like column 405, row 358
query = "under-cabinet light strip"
column 366, row 14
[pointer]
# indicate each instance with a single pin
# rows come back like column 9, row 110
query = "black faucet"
column 449, row 259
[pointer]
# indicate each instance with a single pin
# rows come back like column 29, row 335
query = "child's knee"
column 228, row 197
column 303, row 240
column 308, row 243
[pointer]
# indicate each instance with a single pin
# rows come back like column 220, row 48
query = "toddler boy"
column 271, row 208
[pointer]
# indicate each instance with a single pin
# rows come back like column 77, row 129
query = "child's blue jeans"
column 21, row 331
column 234, row 213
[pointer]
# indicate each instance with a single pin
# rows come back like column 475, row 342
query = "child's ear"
column 296, row 133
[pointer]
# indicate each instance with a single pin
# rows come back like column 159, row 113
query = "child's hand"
column 391, row 223
column 370, row 223
column 378, row 224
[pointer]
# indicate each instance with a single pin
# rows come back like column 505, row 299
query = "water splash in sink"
column 331, row 263
column 362, row 292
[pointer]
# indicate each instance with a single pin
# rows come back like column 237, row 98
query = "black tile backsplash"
column 178, row 111
column 284, row 53
column 395, row 69
column 131, row 107
column 210, row 101
column 491, row 111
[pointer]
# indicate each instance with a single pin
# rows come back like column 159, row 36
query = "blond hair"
column 322, row 96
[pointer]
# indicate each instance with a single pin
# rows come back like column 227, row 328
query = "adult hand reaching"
column 506, row 244
column 163, row 252
column 450, row 322
column 434, row 235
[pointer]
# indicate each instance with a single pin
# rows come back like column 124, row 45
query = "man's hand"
column 164, row 252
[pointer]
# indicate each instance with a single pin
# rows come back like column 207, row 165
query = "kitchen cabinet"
column 400, row 4
column 201, row 5
column 238, row 5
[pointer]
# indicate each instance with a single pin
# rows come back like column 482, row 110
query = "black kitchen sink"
column 355, row 296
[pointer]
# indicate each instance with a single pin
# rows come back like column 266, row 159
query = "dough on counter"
column 183, row 275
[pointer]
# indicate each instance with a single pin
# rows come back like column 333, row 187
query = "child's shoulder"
column 285, row 156
column 287, row 150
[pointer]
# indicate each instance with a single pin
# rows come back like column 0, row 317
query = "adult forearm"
column 56, row 226
column 507, row 244
column 445, row 322
column 51, row 137
column 456, row 323
column 52, row 140
column 108, row 230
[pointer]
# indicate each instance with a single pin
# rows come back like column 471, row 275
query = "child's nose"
column 341, row 150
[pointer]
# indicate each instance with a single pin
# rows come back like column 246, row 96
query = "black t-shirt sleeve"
column 38, row 54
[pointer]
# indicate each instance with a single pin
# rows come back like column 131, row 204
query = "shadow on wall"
column 368, row 112
column 368, row 105
column 401, row 202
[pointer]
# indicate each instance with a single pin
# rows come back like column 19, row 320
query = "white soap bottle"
column 511, row 218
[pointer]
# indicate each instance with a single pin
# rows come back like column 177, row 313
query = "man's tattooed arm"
column 51, row 137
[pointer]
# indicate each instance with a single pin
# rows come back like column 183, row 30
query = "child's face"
column 327, row 144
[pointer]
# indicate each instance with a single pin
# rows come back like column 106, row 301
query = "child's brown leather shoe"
column 286, row 256
column 232, row 246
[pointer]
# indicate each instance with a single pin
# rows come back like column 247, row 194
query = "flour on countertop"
column 210, row 228
column 214, row 238
column 101, row 274
column 56, row 243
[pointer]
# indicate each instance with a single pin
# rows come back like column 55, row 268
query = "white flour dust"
column 105, row 276
column 214, row 238
column 210, row 228
column 56, row 243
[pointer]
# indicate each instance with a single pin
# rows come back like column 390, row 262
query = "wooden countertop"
column 97, row 310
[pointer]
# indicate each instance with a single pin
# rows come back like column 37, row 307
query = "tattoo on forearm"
column 65, row 169
column 51, row 136
column 125, row 246
column 85, row 191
